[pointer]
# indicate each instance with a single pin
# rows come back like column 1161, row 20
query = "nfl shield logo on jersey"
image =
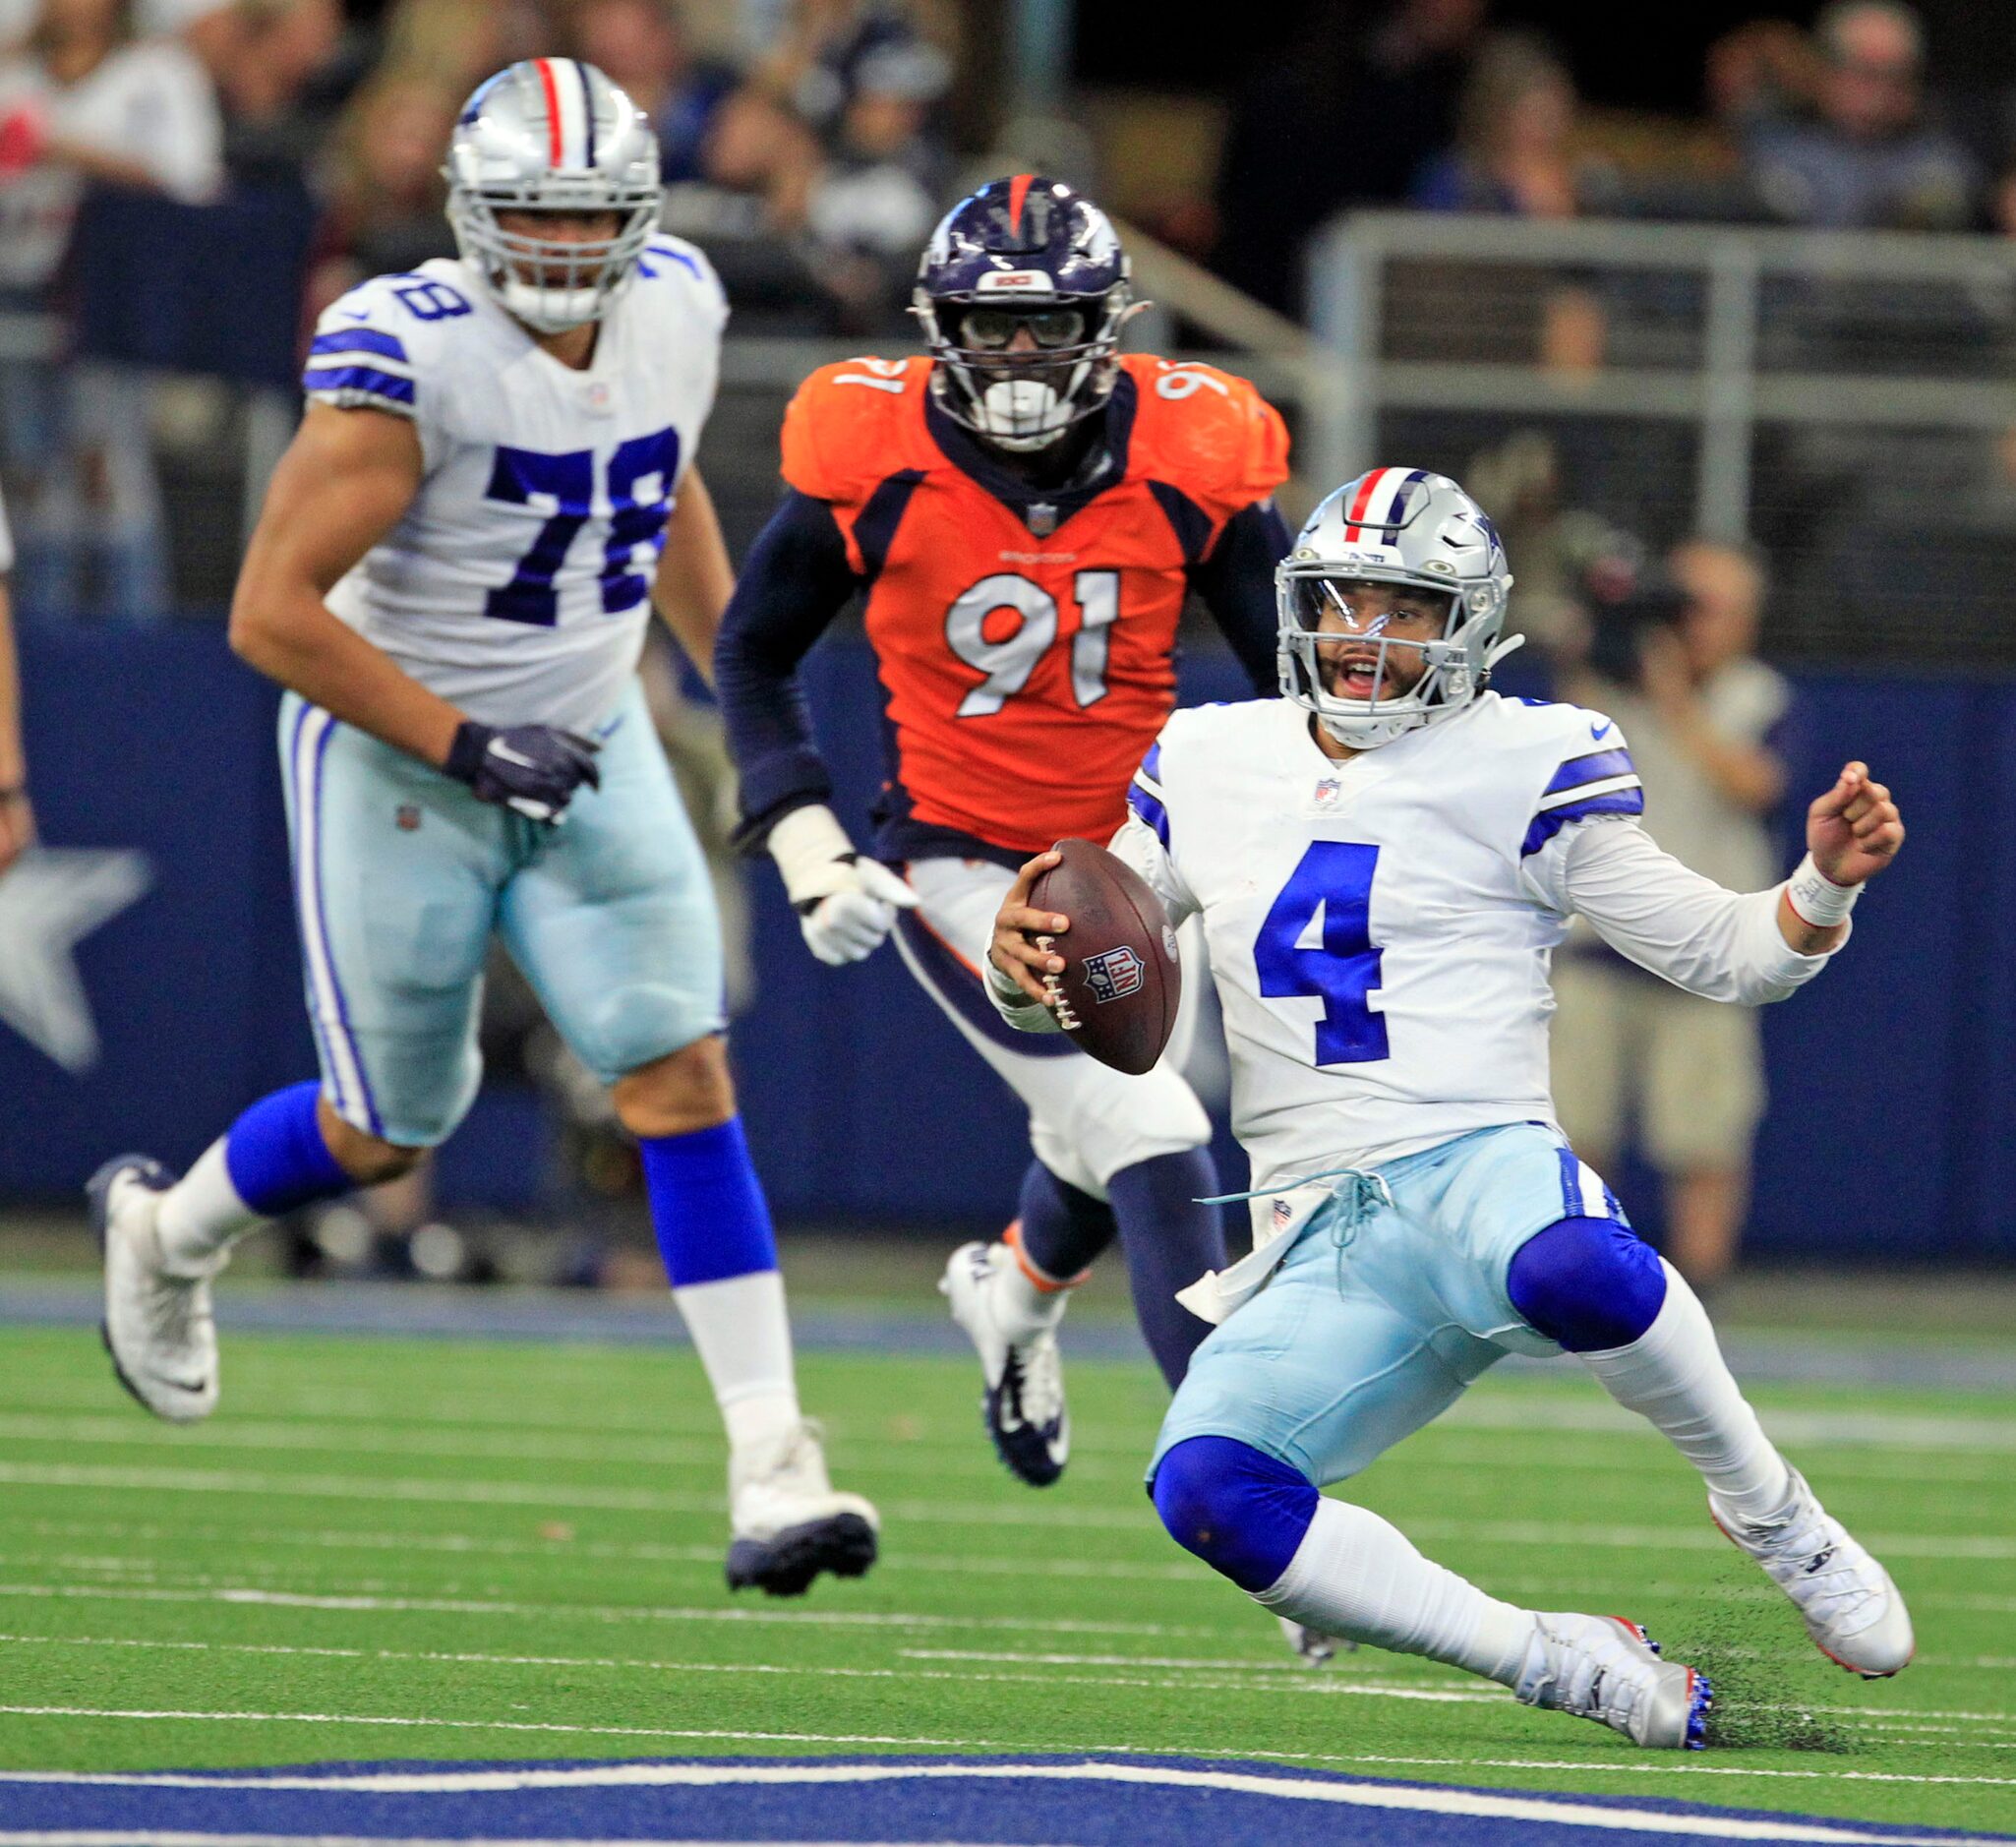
column 1040, row 518
column 1114, row 974
column 1328, row 791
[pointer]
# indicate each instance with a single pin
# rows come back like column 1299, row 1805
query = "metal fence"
column 1848, row 402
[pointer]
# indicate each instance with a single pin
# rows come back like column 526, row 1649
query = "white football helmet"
column 1399, row 526
column 552, row 135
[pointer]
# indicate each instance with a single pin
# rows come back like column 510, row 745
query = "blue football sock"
column 1590, row 1284
column 276, row 1155
column 707, row 1205
column 1170, row 1240
column 1242, row 1512
column 1063, row 1230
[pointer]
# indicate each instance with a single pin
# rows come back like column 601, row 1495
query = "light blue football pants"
column 1390, row 1302
column 402, row 876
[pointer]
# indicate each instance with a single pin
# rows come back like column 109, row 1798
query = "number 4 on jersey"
column 1335, row 876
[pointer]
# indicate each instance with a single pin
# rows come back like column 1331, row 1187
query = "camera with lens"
column 1626, row 595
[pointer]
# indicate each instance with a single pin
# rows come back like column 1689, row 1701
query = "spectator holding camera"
column 1675, row 664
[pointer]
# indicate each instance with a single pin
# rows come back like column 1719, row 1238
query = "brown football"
column 1121, row 980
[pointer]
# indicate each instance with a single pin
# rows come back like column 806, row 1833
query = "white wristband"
column 1815, row 900
column 814, row 853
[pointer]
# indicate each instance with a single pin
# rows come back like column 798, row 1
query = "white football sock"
column 1355, row 1577
column 1674, row 1375
column 743, row 1333
column 201, row 1214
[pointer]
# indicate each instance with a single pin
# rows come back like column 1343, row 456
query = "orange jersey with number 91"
column 1026, row 649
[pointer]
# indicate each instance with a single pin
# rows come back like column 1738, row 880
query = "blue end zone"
column 1069, row 1802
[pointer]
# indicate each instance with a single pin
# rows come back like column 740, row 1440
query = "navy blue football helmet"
column 1022, row 293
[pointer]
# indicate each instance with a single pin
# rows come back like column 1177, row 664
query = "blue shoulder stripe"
column 1151, row 811
column 359, row 340
column 386, row 385
column 1591, row 768
column 1546, row 826
column 1152, row 763
column 675, row 255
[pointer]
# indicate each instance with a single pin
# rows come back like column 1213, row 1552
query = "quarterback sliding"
column 1384, row 859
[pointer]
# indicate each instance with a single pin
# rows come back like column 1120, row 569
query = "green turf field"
column 407, row 1548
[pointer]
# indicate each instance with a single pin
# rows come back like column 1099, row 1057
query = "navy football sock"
column 1590, row 1284
column 1063, row 1230
column 1241, row 1511
column 1170, row 1240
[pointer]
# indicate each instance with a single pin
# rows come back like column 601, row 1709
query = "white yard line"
column 641, row 1552
column 1306, row 1684
column 1702, row 1538
column 247, row 1595
column 581, row 1445
column 1571, row 1406
column 1571, row 1811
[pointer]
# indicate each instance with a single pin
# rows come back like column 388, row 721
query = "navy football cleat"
column 788, row 1524
column 1023, row 1406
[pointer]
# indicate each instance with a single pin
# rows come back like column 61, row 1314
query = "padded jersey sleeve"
column 379, row 347
column 683, row 271
column 1590, row 776
column 1146, row 840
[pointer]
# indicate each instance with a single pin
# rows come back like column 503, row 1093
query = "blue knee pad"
column 1590, row 1284
column 1241, row 1511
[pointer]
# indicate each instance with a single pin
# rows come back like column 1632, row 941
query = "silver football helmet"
column 552, row 135
column 1394, row 526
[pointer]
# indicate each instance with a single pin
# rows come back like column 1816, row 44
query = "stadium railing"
column 1848, row 400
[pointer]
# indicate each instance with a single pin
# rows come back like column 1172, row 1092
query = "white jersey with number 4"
column 516, row 585
column 1380, row 928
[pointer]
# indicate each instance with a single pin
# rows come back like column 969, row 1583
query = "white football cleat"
column 1852, row 1609
column 1022, row 1406
column 1606, row 1669
column 157, row 1326
column 786, row 1522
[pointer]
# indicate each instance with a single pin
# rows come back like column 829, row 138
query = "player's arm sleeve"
column 1721, row 944
column 796, row 579
column 1235, row 579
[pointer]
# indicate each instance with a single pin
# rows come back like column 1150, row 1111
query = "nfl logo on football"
column 1114, row 974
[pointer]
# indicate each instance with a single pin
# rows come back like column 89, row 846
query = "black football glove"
column 531, row 769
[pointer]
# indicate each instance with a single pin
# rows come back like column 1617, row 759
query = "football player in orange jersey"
column 1026, row 510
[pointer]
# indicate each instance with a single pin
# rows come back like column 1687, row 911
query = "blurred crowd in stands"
column 148, row 147
column 1833, row 128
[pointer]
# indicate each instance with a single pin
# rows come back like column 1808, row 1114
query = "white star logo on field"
column 49, row 903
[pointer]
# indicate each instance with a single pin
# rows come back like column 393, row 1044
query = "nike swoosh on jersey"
column 1597, row 731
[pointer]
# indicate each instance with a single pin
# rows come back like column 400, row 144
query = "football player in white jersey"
column 492, row 488
column 1383, row 860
